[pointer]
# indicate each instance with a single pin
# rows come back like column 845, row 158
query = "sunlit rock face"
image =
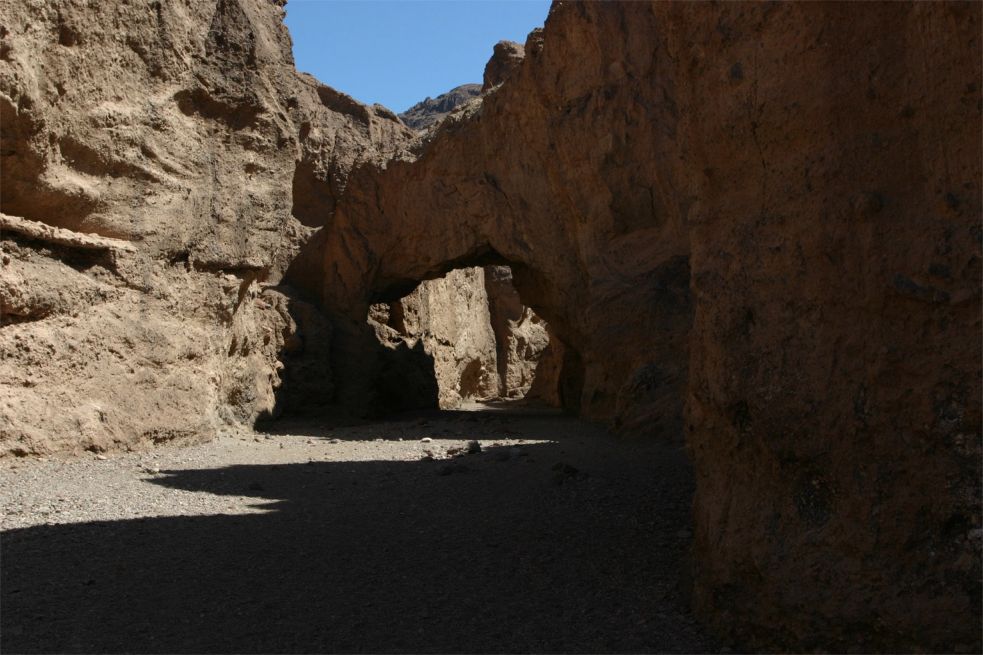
column 482, row 342
column 430, row 111
column 521, row 337
column 449, row 316
column 506, row 57
column 190, row 142
column 758, row 226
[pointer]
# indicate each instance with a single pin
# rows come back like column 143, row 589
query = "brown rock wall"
column 834, row 395
column 482, row 192
column 506, row 57
column 755, row 225
column 521, row 337
column 182, row 130
column 769, row 213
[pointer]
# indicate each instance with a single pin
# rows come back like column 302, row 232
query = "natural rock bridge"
column 752, row 229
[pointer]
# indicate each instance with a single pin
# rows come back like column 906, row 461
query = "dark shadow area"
column 306, row 382
column 538, row 548
column 393, row 289
column 497, row 418
column 406, row 378
column 337, row 369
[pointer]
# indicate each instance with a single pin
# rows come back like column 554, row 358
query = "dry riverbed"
column 470, row 531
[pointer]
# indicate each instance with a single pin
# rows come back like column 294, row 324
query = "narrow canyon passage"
column 367, row 538
column 753, row 228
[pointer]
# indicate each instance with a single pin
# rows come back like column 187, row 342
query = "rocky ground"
column 373, row 537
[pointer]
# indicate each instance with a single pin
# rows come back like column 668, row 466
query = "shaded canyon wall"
column 757, row 225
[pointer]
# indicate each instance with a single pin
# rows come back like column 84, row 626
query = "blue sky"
column 397, row 52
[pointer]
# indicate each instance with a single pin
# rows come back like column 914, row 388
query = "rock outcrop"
column 506, row 57
column 158, row 180
column 480, row 341
column 462, row 350
column 760, row 222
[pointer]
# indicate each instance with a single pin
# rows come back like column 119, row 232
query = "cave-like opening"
column 481, row 342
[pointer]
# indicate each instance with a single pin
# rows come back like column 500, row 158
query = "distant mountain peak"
column 430, row 111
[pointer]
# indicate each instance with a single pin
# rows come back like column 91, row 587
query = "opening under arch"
column 482, row 342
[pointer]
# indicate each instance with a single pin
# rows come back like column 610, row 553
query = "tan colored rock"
column 154, row 175
column 450, row 317
column 757, row 221
column 38, row 231
column 521, row 336
column 514, row 181
column 479, row 341
column 545, row 386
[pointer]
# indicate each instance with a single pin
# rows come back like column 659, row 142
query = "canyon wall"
column 181, row 133
column 480, row 342
column 514, row 180
column 752, row 226
column 833, row 405
column 758, row 226
column 450, row 318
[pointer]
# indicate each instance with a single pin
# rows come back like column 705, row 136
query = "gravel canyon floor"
column 376, row 537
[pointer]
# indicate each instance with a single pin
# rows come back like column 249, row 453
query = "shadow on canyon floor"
column 495, row 417
column 566, row 545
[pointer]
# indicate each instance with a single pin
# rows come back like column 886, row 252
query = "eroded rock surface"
column 506, row 57
column 521, row 337
column 514, row 181
column 190, row 145
column 449, row 316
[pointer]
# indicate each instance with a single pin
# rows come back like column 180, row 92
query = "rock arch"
column 709, row 207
